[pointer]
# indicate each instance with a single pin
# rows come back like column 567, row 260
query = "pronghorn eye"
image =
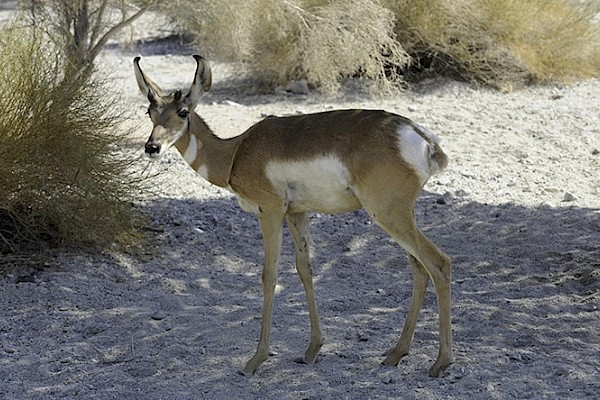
column 183, row 113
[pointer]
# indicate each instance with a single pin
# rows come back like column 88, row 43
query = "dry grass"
column 326, row 41
column 61, row 179
column 502, row 43
column 322, row 41
column 497, row 43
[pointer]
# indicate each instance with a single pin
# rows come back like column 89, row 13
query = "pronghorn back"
column 320, row 159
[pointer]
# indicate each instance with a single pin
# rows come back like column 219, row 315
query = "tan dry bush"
column 500, row 43
column 497, row 43
column 322, row 41
column 61, row 178
column 325, row 41
column 221, row 28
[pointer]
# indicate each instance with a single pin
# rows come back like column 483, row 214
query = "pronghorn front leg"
column 300, row 229
column 271, row 225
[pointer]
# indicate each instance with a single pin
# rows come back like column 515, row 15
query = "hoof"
column 300, row 360
column 438, row 368
column 393, row 358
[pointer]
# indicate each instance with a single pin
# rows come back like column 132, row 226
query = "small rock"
column 569, row 197
column 443, row 181
column 562, row 371
column 412, row 108
column 455, row 373
column 363, row 337
column 231, row 103
column 445, row 199
column 521, row 155
column 595, row 152
column 299, row 87
column 294, row 87
column 158, row 316
column 25, row 279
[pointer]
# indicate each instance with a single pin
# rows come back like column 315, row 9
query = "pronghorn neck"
column 209, row 155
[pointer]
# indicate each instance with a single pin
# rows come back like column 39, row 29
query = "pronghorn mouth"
column 153, row 155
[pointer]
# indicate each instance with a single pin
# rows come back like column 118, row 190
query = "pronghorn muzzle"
column 152, row 148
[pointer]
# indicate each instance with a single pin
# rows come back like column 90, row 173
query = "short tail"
column 438, row 160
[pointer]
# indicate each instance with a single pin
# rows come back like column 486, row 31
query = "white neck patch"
column 192, row 150
column 203, row 171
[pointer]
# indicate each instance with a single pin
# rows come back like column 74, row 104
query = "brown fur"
column 366, row 145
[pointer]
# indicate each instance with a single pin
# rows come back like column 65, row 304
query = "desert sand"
column 517, row 210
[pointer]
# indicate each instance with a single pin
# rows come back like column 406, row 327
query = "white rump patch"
column 321, row 184
column 415, row 150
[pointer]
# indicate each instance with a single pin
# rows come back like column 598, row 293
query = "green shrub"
column 62, row 178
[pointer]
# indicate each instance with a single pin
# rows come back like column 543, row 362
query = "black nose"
column 152, row 148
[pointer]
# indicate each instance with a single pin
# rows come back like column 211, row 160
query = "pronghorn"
column 329, row 162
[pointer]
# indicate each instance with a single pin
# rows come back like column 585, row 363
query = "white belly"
column 322, row 184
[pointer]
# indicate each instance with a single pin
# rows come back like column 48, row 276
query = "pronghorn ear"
column 146, row 85
column 202, row 82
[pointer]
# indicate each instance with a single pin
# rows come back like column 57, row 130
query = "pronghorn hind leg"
column 437, row 265
column 271, row 225
column 298, row 224
column 420, row 280
column 400, row 224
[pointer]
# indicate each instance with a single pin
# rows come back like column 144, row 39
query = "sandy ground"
column 517, row 210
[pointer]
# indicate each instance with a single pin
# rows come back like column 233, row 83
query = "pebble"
column 294, row 87
column 562, row 371
column 231, row 103
column 568, row 197
column 158, row 316
column 521, row 155
column 445, row 199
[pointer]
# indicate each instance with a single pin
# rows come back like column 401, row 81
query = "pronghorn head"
column 169, row 112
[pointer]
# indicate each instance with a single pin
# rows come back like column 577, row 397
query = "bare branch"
column 98, row 25
column 102, row 41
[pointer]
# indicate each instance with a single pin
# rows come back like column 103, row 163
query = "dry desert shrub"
column 322, row 41
column 497, row 43
column 221, row 28
column 325, row 41
column 61, row 178
column 501, row 43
